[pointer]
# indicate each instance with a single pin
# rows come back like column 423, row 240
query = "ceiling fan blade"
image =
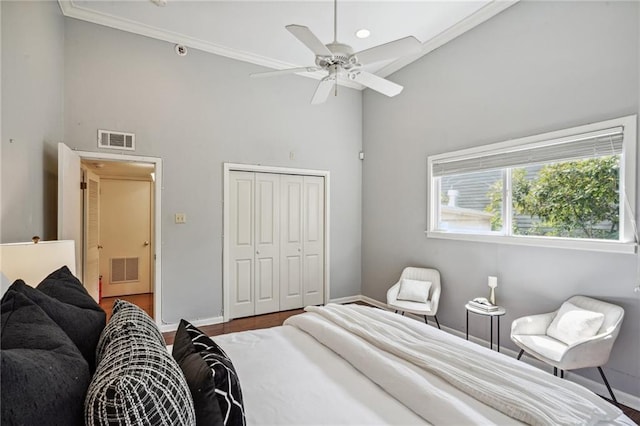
column 284, row 72
column 393, row 49
column 376, row 83
column 323, row 90
column 309, row 39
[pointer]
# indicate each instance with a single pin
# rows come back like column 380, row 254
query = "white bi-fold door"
column 301, row 241
column 276, row 242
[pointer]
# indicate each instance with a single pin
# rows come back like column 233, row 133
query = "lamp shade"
column 33, row 262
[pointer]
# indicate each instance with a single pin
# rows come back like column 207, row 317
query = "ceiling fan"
column 340, row 62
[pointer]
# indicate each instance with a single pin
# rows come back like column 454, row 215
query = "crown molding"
column 481, row 15
column 72, row 10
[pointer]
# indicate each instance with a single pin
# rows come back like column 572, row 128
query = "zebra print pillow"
column 211, row 376
column 136, row 381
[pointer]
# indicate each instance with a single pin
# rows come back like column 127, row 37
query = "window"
column 571, row 188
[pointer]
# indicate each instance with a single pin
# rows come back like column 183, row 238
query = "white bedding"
column 290, row 377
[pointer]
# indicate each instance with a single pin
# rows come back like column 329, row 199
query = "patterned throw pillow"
column 128, row 319
column 136, row 382
column 211, row 376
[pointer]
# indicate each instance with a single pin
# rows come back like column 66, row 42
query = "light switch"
column 181, row 218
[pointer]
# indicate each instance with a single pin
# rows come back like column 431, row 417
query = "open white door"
column 70, row 200
column 91, row 264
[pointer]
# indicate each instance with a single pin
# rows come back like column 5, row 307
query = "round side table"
column 491, row 314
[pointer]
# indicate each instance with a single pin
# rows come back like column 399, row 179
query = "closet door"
column 241, row 244
column 313, row 241
column 267, row 243
column 291, row 240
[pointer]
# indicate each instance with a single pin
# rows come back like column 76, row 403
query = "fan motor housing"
column 342, row 55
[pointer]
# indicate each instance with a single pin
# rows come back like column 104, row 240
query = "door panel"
column 313, row 244
column 244, row 272
column 293, row 284
column 241, row 244
column 291, row 188
column 70, row 201
column 92, row 234
column 125, row 225
column 267, row 277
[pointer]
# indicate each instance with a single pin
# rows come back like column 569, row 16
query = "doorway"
column 91, row 170
column 118, row 218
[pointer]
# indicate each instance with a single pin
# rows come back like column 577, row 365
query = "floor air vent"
column 116, row 140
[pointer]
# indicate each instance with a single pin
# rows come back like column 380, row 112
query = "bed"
column 359, row 365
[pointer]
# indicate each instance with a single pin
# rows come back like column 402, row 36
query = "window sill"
column 550, row 242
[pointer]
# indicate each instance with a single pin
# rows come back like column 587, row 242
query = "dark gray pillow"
column 136, row 382
column 44, row 376
column 64, row 286
column 82, row 325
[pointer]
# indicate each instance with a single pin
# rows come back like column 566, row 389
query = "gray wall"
column 196, row 112
column 32, row 116
column 538, row 66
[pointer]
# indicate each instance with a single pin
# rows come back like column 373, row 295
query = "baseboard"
column 343, row 300
column 165, row 328
column 624, row 398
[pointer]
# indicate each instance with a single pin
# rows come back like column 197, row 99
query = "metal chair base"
column 604, row 378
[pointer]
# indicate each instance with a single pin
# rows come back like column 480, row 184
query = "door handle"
column 299, row 250
column 146, row 243
column 99, row 246
column 257, row 251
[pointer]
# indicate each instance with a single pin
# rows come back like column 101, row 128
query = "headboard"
column 33, row 262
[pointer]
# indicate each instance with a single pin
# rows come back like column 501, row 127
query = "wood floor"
column 242, row 324
column 145, row 301
column 277, row 318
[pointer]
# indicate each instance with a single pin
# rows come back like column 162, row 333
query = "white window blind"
column 580, row 146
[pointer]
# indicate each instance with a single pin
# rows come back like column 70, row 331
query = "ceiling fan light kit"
column 339, row 61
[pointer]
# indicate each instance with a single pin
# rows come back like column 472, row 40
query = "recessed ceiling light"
column 363, row 33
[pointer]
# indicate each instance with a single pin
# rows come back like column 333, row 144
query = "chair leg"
column 437, row 323
column 425, row 320
column 555, row 371
column 402, row 313
column 562, row 374
column 606, row 382
column 396, row 311
column 520, row 354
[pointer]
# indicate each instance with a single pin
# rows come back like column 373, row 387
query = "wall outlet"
column 181, row 218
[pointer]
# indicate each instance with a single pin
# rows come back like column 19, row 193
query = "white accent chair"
column 530, row 334
column 430, row 308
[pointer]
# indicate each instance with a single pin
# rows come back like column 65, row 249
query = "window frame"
column 627, row 243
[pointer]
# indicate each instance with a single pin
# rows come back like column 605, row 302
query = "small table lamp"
column 493, row 283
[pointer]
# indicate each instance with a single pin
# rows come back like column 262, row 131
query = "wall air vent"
column 124, row 269
column 116, row 140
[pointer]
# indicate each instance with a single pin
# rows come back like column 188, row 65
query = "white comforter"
column 446, row 380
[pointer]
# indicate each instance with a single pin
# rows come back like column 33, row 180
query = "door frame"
column 157, row 218
column 227, row 168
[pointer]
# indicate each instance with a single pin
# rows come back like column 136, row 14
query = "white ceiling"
column 254, row 31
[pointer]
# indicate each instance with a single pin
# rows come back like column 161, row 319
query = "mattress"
column 310, row 372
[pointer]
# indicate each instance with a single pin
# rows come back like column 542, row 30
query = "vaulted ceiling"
column 254, row 31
